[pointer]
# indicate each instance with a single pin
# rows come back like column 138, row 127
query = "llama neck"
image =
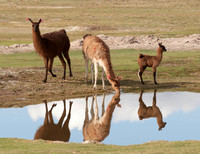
column 107, row 117
column 37, row 39
column 159, row 119
column 108, row 69
column 159, row 54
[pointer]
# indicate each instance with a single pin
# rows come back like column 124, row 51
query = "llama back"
column 95, row 47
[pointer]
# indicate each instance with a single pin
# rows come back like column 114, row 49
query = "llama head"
column 114, row 83
column 162, row 126
column 35, row 25
column 162, row 47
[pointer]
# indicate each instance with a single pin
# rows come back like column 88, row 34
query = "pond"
column 131, row 118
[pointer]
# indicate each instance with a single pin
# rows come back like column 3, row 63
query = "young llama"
column 49, row 46
column 150, row 61
column 145, row 112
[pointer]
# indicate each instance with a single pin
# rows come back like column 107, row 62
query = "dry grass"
column 132, row 17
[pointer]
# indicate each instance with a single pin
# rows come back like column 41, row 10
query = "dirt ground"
column 147, row 42
column 18, row 89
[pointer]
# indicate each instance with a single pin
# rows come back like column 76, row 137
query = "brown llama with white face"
column 145, row 112
column 150, row 61
column 98, row 128
column 55, row 132
column 49, row 46
column 96, row 50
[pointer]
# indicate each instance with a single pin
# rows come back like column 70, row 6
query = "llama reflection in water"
column 97, row 129
column 145, row 112
column 55, row 132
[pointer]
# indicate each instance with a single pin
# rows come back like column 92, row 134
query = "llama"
column 55, row 132
column 97, row 129
column 151, row 111
column 96, row 50
column 150, row 61
column 49, row 46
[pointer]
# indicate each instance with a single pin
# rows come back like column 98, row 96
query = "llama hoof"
column 54, row 105
column 155, row 83
column 94, row 87
column 142, row 83
column 63, row 77
column 53, row 75
column 44, row 81
column 71, row 75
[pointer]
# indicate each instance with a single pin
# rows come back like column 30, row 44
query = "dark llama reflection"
column 55, row 132
column 145, row 112
column 97, row 129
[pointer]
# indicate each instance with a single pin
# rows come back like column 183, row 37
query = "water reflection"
column 145, row 112
column 98, row 128
column 51, row 131
column 181, row 111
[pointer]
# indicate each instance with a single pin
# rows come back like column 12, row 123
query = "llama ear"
column 40, row 21
column 29, row 20
column 160, row 43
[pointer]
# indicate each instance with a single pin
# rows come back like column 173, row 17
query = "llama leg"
column 154, row 75
column 63, row 115
column 103, row 82
column 63, row 64
column 66, row 123
column 96, row 74
column 46, row 120
column 50, row 67
column 140, row 72
column 50, row 114
column 86, row 112
column 92, row 72
column 86, row 70
column 69, row 63
column 103, row 105
column 96, row 115
column 92, row 108
column 46, row 60
column 154, row 98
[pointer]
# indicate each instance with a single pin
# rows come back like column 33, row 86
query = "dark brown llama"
column 49, row 46
column 55, row 132
column 145, row 112
column 96, row 50
column 150, row 61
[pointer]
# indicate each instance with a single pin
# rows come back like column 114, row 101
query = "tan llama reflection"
column 145, row 112
column 55, row 132
column 97, row 129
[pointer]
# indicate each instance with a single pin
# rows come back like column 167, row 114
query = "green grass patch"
column 28, row 146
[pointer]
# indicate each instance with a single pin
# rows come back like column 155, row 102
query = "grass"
column 177, row 71
column 27, row 146
column 164, row 18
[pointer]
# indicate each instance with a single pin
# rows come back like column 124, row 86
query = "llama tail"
column 141, row 55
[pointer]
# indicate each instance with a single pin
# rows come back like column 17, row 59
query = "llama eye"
column 115, row 85
column 32, row 25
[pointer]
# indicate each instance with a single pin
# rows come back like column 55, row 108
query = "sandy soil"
column 148, row 42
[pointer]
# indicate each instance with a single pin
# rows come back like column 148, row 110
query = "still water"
column 131, row 118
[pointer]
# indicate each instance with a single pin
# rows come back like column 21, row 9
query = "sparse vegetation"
column 117, row 18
